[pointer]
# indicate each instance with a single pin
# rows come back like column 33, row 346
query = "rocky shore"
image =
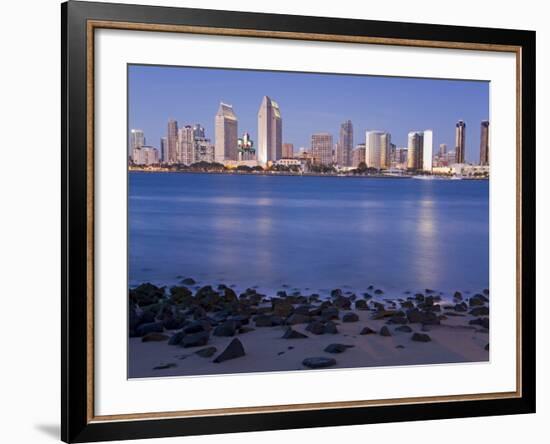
column 199, row 330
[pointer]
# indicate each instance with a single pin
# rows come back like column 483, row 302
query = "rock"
column 461, row 307
column 165, row 366
column 397, row 319
column 174, row 323
column 479, row 311
column 146, row 294
column 151, row 327
column 330, row 328
column 367, row 331
column 206, row 352
column 483, row 322
column 421, row 337
column 293, row 334
column 330, row 313
column 297, row 318
column 407, row 304
column 154, row 337
column 342, row 303
column 404, row 329
column 188, row 281
column 416, row 316
column 350, row 317
column 283, row 309
column 477, row 300
column 336, row 293
column 457, row 295
column 316, row 327
column 176, row 338
column 234, row 350
column 243, row 330
column 196, row 327
column 195, row 339
column 263, row 321
column 239, row 319
column 419, row 297
column 385, row 331
column 361, row 304
column 337, row 348
column 378, row 291
column 400, row 346
column 181, row 295
column 486, row 348
column 319, row 362
column 227, row 329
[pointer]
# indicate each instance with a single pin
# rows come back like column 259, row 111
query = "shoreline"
column 253, row 332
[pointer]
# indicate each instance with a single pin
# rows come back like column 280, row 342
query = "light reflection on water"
column 309, row 231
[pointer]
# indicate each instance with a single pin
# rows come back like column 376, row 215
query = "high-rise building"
column 198, row 131
column 164, row 149
column 172, row 141
column 442, row 149
column 246, row 148
column 415, row 150
column 377, row 153
column 427, row 151
column 321, row 148
column 226, row 134
column 358, row 155
column 345, row 144
column 460, row 141
column 484, row 143
column 145, row 155
column 204, row 150
column 137, row 139
column 270, row 131
column 186, row 145
column 288, row 150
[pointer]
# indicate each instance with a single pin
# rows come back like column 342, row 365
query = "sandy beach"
column 409, row 330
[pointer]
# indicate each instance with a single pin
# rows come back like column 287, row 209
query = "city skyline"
column 177, row 93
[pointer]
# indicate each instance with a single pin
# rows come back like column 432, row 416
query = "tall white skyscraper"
column 377, row 154
column 186, row 145
column 427, row 155
column 226, row 144
column 137, row 139
column 270, row 131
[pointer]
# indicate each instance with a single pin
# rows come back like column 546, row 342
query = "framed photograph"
column 275, row 221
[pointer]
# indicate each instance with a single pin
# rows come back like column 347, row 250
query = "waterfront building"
column 186, row 145
column 460, row 141
column 288, row 150
column 321, row 148
column 358, row 155
column 164, row 149
column 484, row 143
column 345, row 144
column 145, row 156
column 226, row 124
column 377, row 154
column 204, row 150
column 246, row 148
column 137, row 139
column 172, row 141
column 415, row 149
column 289, row 162
column 270, row 131
column 198, row 131
column 442, row 149
column 427, row 151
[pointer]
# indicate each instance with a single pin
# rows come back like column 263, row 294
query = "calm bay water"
column 313, row 233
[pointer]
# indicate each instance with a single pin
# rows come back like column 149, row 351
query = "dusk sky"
column 309, row 103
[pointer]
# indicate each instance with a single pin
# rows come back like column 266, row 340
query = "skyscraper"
column 460, row 141
column 288, row 150
column 321, row 148
column 345, row 144
column 198, row 131
column 377, row 153
column 137, row 139
column 226, row 134
column 270, row 131
column 427, row 151
column 172, row 141
column 415, row 150
column 246, row 148
column 484, row 143
column 358, row 155
column 186, row 145
column 442, row 149
column 164, row 149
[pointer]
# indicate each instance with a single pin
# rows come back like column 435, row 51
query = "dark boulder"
column 195, row 339
column 293, row 334
column 385, row 331
column 404, row 329
column 297, row 318
column 421, row 337
column 316, row 327
column 483, row 322
column 197, row 326
column 318, row 362
column 181, row 295
column 188, row 281
column 154, row 337
column 176, row 338
column 479, row 311
column 234, row 350
column 330, row 313
column 361, row 304
column 227, row 329
column 337, row 348
column 336, row 293
column 151, row 327
column 146, row 294
column 330, row 328
column 350, row 317
column 206, row 352
column 367, row 331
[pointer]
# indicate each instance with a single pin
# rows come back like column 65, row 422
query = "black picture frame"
column 76, row 423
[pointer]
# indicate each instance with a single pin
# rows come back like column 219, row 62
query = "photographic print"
column 290, row 221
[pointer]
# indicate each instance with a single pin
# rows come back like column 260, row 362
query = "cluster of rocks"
column 197, row 315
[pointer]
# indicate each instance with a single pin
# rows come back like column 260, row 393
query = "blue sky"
column 309, row 103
